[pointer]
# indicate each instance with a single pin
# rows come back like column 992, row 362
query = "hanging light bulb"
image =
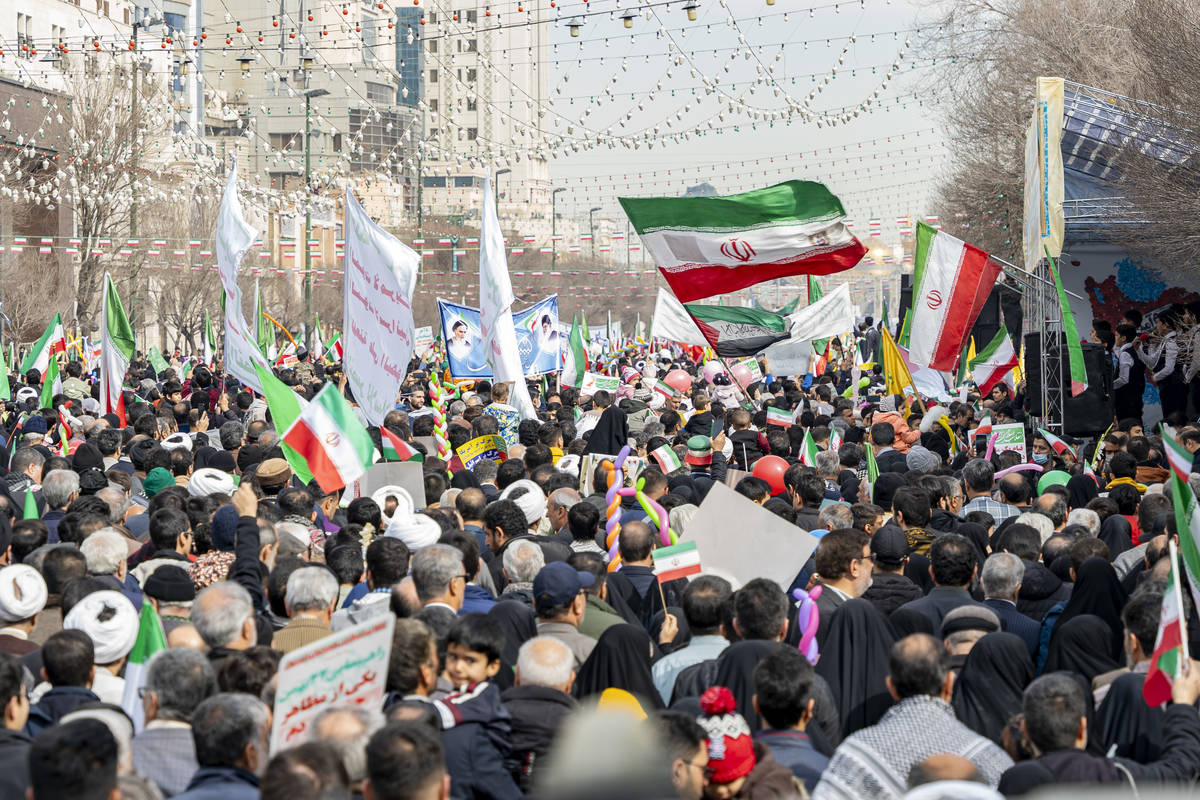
column 691, row 7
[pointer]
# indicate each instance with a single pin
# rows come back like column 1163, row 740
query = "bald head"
column 1014, row 490
column 470, row 504
column 545, row 661
column 636, row 542
column 186, row 636
column 942, row 767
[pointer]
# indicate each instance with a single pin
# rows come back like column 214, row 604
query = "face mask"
column 1041, row 458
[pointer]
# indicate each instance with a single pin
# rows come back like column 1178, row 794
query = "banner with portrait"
column 538, row 339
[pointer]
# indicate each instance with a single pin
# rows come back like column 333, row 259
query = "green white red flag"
column 330, row 438
column 808, row 450
column 396, row 449
column 150, row 640
column 735, row 332
column 52, row 342
column 1170, row 655
column 665, row 389
column 951, row 282
column 575, row 357
column 51, row 384
column 1187, row 511
column 117, row 348
column 995, row 362
column 676, row 561
column 1079, row 378
column 666, row 458
column 779, row 416
column 1056, row 444
column 712, row 245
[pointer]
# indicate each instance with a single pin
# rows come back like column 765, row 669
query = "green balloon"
column 1055, row 477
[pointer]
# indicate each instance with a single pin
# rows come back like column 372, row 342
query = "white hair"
column 104, row 550
column 348, row 730
column 1039, row 522
column 523, row 560
column 1002, row 574
column 219, row 612
column 1085, row 517
column 544, row 661
column 311, row 589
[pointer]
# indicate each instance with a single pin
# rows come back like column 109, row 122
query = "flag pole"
column 1183, row 639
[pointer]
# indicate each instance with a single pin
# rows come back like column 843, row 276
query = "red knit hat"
column 730, row 748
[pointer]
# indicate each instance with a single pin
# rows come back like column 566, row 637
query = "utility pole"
column 627, row 245
column 554, row 227
column 309, row 94
column 592, row 228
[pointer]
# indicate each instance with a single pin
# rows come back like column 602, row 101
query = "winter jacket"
column 905, row 436
column 475, row 738
column 56, row 704
column 769, row 779
column 889, row 591
column 1040, row 591
column 537, row 714
column 748, row 447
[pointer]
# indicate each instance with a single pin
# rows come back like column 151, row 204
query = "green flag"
column 51, row 384
column 904, row 329
column 262, row 329
column 30, row 511
column 884, row 319
column 285, row 406
column 5, row 389
column 1079, row 378
column 156, row 360
column 576, row 360
column 872, row 467
column 814, row 290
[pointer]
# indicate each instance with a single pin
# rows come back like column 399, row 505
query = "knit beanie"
column 730, row 748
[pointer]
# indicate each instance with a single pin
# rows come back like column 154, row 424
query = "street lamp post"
column 592, row 229
column 309, row 94
column 554, row 226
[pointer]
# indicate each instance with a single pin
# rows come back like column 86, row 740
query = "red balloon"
column 771, row 469
column 679, row 380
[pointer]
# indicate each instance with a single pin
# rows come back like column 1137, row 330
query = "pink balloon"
column 679, row 380
column 711, row 370
column 741, row 374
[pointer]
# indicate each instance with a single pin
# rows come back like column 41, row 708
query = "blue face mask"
column 1041, row 458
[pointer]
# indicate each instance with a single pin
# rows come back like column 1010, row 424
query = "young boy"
column 473, row 649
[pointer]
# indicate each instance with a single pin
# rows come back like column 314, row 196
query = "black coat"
column 537, row 714
column 1040, row 591
column 14, row 763
column 476, row 746
column 1013, row 621
column 889, row 591
column 938, row 603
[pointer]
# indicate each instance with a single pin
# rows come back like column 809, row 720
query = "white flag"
column 495, row 308
column 672, row 323
column 830, row 316
column 234, row 237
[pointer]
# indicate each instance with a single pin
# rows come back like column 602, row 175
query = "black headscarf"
column 620, row 660
column 1081, row 646
column 1125, row 720
column 610, row 434
column 1117, row 533
column 735, row 671
column 1097, row 591
column 854, row 661
column 1081, row 490
column 464, row 479
column 989, row 686
column 518, row 624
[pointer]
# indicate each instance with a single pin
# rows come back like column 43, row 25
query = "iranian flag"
column 951, row 282
column 1079, row 378
column 150, row 640
column 665, row 389
column 985, row 426
column 116, row 345
column 1056, row 444
column 779, row 416
column 53, row 341
column 835, row 439
column 210, row 341
column 51, row 385
column 712, row 245
column 330, row 438
column 736, row 332
column 676, row 561
column 1170, row 645
column 666, row 459
column 335, row 348
column 285, row 406
column 396, row 449
column 64, row 431
column 808, row 450
column 574, row 357
column 995, row 363
column 1187, row 511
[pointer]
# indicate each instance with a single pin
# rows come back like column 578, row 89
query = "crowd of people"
column 981, row 631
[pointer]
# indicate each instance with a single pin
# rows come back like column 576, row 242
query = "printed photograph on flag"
column 538, row 339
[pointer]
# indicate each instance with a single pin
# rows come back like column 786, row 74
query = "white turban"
column 532, row 502
column 177, row 441
column 22, row 593
column 404, row 502
column 415, row 530
column 206, row 481
column 569, row 464
column 111, row 622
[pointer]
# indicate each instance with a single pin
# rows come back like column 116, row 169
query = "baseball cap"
column 699, row 451
column 558, row 583
column 889, row 546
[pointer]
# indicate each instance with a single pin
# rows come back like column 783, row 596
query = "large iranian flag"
column 711, row 245
column 995, row 363
column 330, row 438
column 52, row 342
column 574, row 357
column 116, row 350
column 951, row 282
column 737, row 332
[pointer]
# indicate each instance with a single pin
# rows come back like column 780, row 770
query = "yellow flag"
column 895, row 372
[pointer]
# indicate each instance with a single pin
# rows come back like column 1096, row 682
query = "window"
column 433, row 18
column 472, row 134
column 434, row 182
column 464, row 181
column 471, row 16
column 472, row 74
column 472, row 45
column 472, row 104
column 284, row 141
column 378, row 92
column 433, row 105
column 433, row 43
column 25, row 35
column 433, row 76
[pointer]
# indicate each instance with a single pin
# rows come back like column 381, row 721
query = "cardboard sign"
column 422, row 340
column 347, row 668
column 491, row 448
column 1010, row 437
column 632, row 467
column 594, row 382
column 741, row 540
column 408, row 475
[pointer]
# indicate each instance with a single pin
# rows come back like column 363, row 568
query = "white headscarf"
column 22, row 593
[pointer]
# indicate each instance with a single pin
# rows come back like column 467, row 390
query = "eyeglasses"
column 144, row 692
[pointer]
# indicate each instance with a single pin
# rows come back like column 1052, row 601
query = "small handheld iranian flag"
column 64, row 431
column 52, row 341
column 396, row 449
column 985, row 426
column 665, row 389
column 676, row 561
column 712, row 245
column 116, row 348
column 150, row 640
column 1170, row 645
column 574, row 357
column 1057, row 444
column 995, row 364
column 335, row 348
column 779, row 416
column 330, row 438
column 666, row 459
column 835, row 440
column 51, row 384
column 808, row 450
column 30, row 509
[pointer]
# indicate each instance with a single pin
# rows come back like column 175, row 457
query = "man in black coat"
column 890, row 588
column 538, row 703
column 952, row 562
column 14, row 744
column 1001, row 584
